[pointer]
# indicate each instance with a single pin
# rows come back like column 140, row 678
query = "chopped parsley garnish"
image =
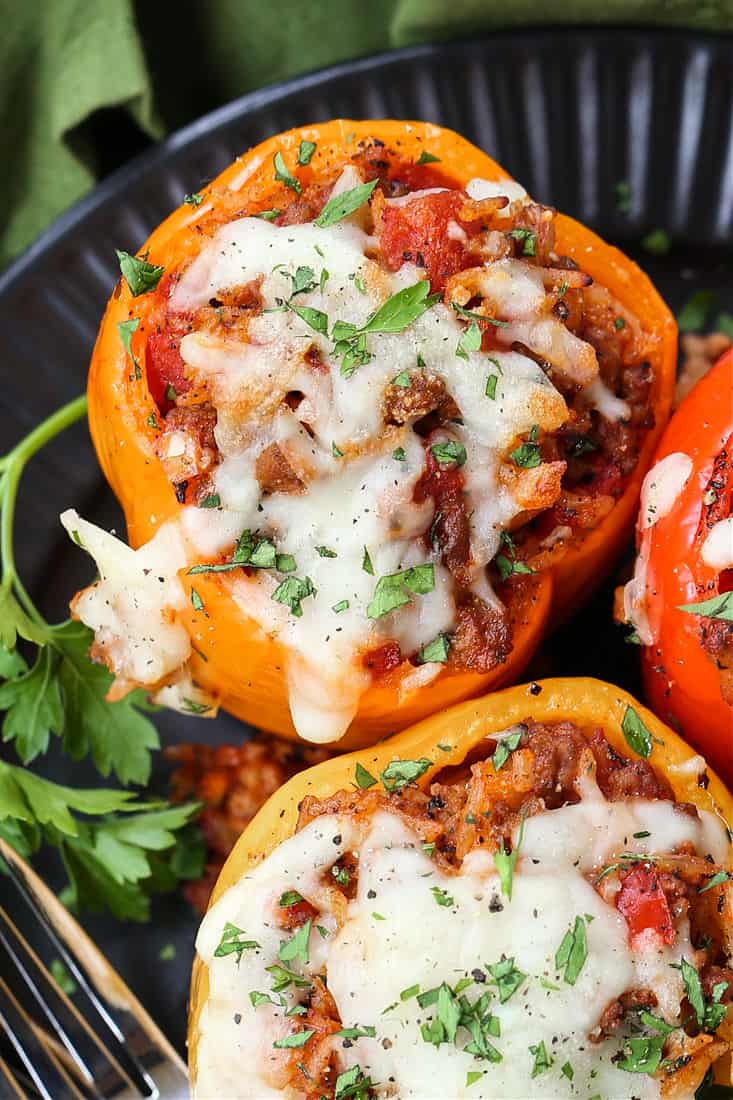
column 139, row 275
column 213, row 500
column 314, row 318
column 340, row 206
column 527, row 455
column 398, row 454
column 268, row 215
column 567, row 1071
column 399, row 773
column 619, row 323
column 366, row 563
column 232, row 942
column 657, row 242
column 357, row 1032
column 572, row 952
column 716, row 880
column 256, row 999
column 306, row 149
column 341, row 875
column 290, row 897
column 491, row 382
column 472, row 315
column 170, row 392
column 708, row 1014
column 470, row 341
column 506, row 746
column 392, row 590
column 283, row 174
column 442, row 897
column 251, row 551
column 411, row 991
column 352, row 1082
column 637, row 736
column 282, row 978
column 193, row 706
column 542, row 1060
column 336, row 451
column 297, row 946
column 507, row 564
column 402, row 380
column 718, row 607
column 474, row 1075
column 693, row 314
column 152, row 421
column 326, row 552
column 126, row 329
column 394, row 315
column 527, row 239
column 448, row 452
column 364, row 779
column 505, row 862
column 294, row 1040
column 643, row 1053
column 197, row 602
column 342, row 605
column 427, row 158
column 291, row 591
column 435, row 651
column 194, row 199
column 507, row 977
column 453, row 1011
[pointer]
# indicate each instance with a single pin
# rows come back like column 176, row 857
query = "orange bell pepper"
column 121, row 408
column 586, row 702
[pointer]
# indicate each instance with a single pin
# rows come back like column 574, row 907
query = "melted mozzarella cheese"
column 717, row 550
column 131, row 608
column 365, row 498
column 662, row 486
column 395, row 936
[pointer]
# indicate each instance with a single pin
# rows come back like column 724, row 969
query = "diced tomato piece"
column 644, row 906
column 417, row 232
column 165, row 367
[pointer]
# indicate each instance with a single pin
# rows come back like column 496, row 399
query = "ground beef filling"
column 473, row 805
column 593, row 456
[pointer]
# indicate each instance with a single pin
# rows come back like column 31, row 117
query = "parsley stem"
column 12, row 465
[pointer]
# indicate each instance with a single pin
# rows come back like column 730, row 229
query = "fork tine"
column 112, row 1017
column 39, row 1063
column 71, row 1051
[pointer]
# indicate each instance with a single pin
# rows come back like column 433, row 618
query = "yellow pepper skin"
column 584, row 701
column 123, row 421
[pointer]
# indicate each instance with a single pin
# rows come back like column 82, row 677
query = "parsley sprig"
column 116, row 849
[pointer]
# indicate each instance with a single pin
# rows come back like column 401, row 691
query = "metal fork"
column 97, row 1043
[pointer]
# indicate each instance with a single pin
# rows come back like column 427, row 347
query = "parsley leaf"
column 435, row 651
column 636, row 733
column 527, row 455
column 572, row 952
column 283, row 175
column 693, row 314
column 399, row 773
column 340, row 206
column 427, row 158
column 717, row 607
column 449, row 452
column 352, row 1082
column 232, row 942
column 657, row 242
column 506, row 746
column 139, row 275
column 470, row 341
column 364, row 779
column 292, row 591
column 297, row 946
column 392, row 590
column 306, row 149
column 542, row 1060
column 527, row 239
column 194, row 199
column 293, row 1041
column 126, row 329
column 442, row 897
column 505, row 863
column 507, row 977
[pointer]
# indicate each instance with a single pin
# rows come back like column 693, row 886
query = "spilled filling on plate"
column 384, row 408
column 545, row 920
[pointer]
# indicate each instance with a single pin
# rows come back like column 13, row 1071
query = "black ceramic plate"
column 569, row 113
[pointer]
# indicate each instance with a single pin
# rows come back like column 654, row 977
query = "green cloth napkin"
column 61, row 61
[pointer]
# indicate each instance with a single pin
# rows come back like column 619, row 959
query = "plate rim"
column 148, row 159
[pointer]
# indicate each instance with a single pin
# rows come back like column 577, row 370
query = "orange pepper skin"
column 241, row 666
column 584, row 701
column 682, row 682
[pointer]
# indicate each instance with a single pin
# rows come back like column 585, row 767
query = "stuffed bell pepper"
column 374, row 416
column 528, row 895
column 680, row 599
